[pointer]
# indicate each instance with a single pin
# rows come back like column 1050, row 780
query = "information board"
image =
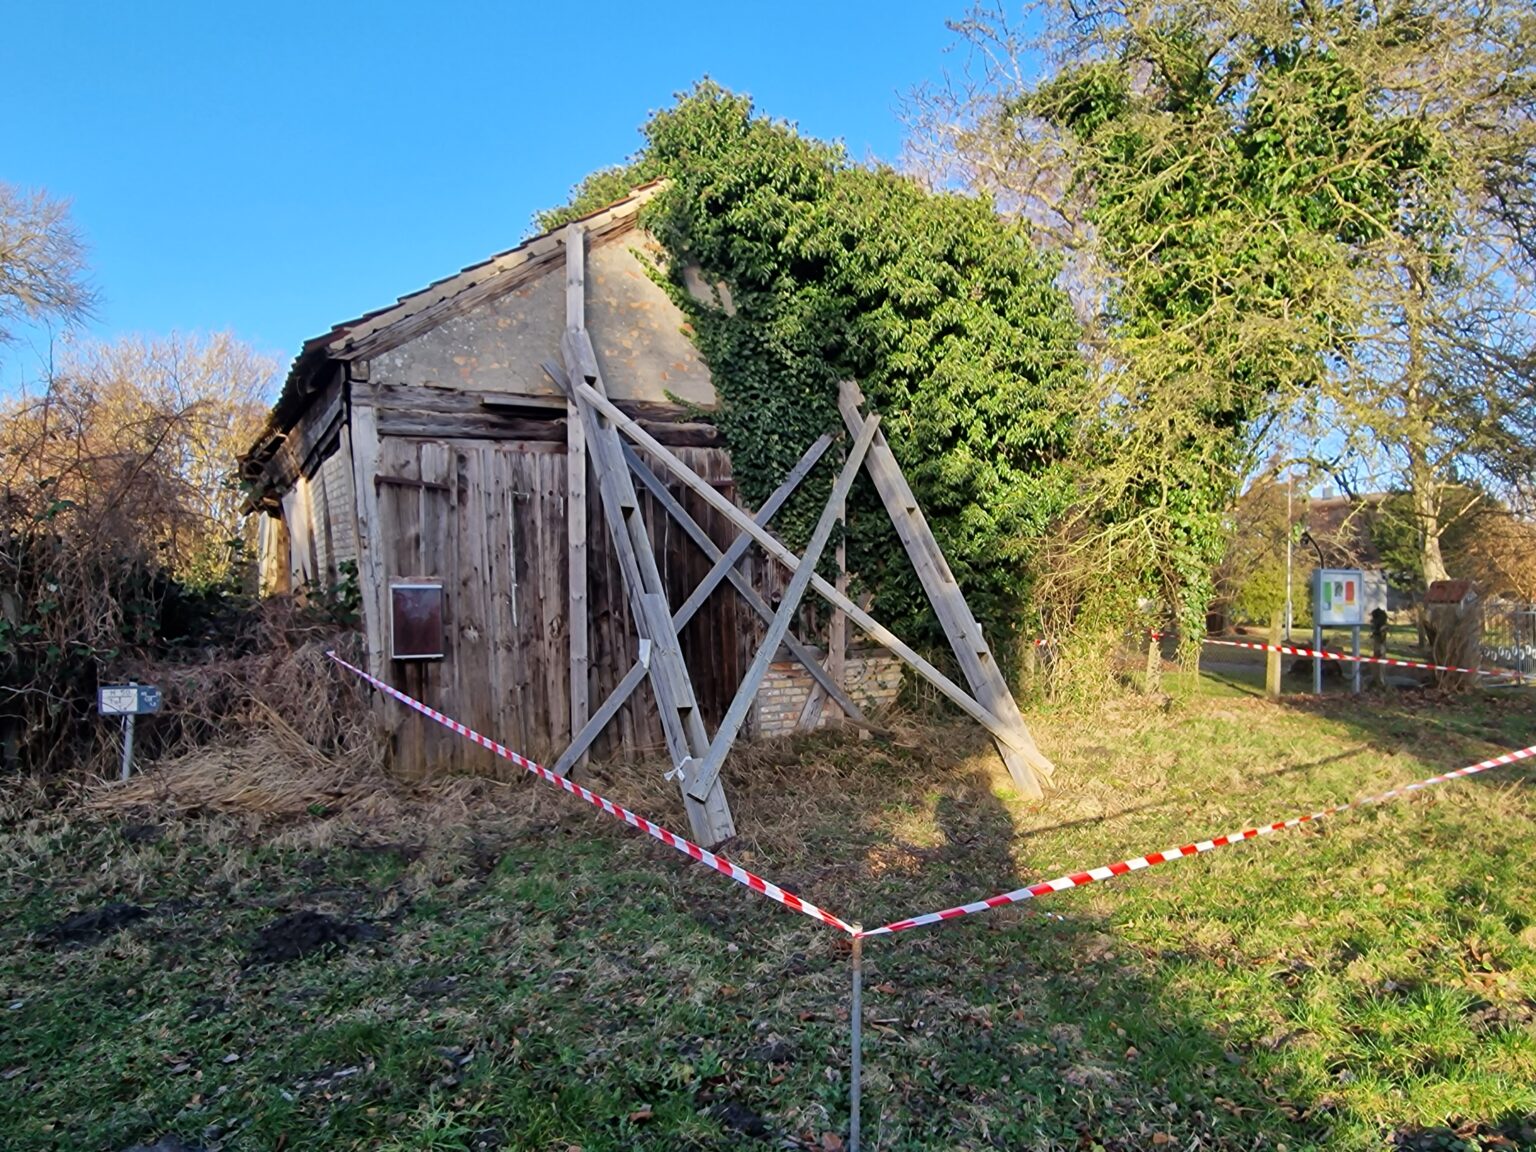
column 1338, row 597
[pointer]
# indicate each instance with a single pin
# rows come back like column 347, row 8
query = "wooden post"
column 1272, row 664
column 576, row 495
column 371, row 577
column 705, row 774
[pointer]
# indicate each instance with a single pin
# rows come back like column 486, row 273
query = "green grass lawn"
column 539, row 977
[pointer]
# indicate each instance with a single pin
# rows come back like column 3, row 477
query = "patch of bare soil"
column 301, row 933
column 92, row 925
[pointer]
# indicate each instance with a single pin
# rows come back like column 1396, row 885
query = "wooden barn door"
column 488, row 519
column 415, row 492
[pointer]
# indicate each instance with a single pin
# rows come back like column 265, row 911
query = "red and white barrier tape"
column 686, row 847
column 1297, row 651
column 1018, row 895
column 1078, row 879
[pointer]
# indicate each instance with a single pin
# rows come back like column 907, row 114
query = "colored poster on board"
column 1338, row 597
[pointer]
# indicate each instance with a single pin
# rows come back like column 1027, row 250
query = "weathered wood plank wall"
column 488, row 518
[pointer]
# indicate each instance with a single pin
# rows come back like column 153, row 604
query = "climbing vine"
column 944, row 313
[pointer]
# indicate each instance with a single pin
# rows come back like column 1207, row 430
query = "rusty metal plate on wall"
column 416, row 621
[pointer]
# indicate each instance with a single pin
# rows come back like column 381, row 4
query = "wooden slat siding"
column 400, row 544
column 613, row 644
column 1024, row 760
column 524, row 511
column 512, row 679
column 501, row 482
column 475, row 670
column 498, row 490
column 554, row 599
column 438, row 560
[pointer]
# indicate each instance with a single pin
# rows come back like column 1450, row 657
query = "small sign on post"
column 128, row 701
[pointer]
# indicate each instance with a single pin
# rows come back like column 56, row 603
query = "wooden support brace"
column 725, row 562
column 1024, row 760
column 742, row 585
column 775, row 548
column 610, row 708
column 709, row 816
column 577, row 630
column 706, row 773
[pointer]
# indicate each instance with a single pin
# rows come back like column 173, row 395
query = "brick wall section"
column 872, row 679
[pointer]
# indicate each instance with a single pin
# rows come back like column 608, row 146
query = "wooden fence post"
column 1272, row 661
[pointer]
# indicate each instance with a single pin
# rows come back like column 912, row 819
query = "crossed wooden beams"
column 697, row 758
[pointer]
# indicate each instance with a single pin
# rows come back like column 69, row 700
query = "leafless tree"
column 42, row 263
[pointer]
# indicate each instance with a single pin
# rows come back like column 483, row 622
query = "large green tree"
column 821, row 270
column 1270, row 207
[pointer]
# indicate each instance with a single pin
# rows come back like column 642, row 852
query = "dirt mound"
column 90, row 926
column 300, row 933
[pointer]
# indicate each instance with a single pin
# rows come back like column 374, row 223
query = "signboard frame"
column 127, row 699
column 1338, row 597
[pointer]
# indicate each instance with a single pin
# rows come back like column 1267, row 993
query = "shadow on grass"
column 1036, row 1026
column 1467, row 726
column 1048, row 1026
column 1168, row 805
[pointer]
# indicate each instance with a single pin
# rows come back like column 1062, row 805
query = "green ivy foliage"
column 947, row 317
column 1232, row 178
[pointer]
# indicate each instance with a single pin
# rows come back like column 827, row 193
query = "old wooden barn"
column 524, row 568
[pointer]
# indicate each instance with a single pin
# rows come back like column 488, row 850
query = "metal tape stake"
column 856, row 1035
column 128, row 745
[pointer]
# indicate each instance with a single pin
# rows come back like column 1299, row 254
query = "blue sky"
column 275, row 168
